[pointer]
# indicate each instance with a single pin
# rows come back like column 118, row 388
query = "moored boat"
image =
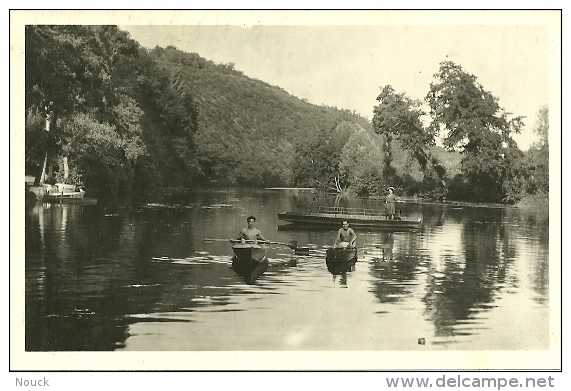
column 366, row 218
column 62, row 191
column 249, row 260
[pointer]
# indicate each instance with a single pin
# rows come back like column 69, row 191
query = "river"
column 473, row 278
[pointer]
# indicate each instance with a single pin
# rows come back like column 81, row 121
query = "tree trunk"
column 337, row 184
column 49, row 118
column 65, row 169
column 43, row 174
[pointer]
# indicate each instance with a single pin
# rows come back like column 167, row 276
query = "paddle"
column 292, row 244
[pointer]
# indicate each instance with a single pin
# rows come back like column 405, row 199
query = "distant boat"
column 62, row 191
column 249, row 260
column 356, row 217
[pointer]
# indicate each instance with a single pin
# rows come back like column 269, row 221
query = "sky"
column 344, row 59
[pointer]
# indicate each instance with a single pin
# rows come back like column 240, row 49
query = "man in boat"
column 346, row 236
column 251, row 233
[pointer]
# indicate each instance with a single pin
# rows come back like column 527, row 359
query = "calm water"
column 473, row 278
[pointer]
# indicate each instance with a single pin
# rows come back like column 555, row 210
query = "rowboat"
column 249, row 260
column 364, row 218
column 62, row 191
column 340, row 255
column 341, row 268
column 341, row 260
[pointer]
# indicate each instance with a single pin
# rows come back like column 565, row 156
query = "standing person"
column 390, row 203
column 251, row 233
column 346, row 235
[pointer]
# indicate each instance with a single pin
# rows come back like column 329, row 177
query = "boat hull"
column 334, row 220
column 341, row 260
column 249, row 261
column 64, row 196
column 61, row 192
column 341, row 255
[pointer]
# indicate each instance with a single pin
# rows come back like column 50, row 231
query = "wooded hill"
column 247, row 128
column 120, row 119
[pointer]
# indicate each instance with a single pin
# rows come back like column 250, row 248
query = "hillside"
column 247, row 128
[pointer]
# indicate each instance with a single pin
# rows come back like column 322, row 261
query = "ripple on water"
column 198, row 260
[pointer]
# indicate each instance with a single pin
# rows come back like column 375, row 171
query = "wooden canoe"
column 341, row 255
column 341, row 260
column 249, row 261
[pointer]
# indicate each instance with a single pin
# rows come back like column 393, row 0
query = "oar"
column 292, row 244
column 209, row 240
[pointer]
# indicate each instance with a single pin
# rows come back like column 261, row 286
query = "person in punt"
column 390, row 201
column 251, row 234
column 346, row 237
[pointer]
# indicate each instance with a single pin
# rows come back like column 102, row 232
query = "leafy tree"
column 360, row 162
column 69, row 69
column 398, row 116
column 104, row 156
column 541, row 127
column 475, row 124
column 537, row 157
column 316, row 162
column 398, row 119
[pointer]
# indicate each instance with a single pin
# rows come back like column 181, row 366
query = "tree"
column 68, row 69
column 398, row 119
column 105, row 156
column 398, row 116
column 537, row 157
column 359, row 164
column 541, row 127
column 474, row 124
column 316, row 162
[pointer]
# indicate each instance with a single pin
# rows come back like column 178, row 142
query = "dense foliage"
column 96, row 99
column 119, row 119
column 474, row 124
column 536, row 159
column 400, row 118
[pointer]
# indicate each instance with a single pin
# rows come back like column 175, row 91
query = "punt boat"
column 364, row 218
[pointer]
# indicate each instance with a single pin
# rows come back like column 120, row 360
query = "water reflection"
column 393, row 267
column 100, row 281
column 340, row 269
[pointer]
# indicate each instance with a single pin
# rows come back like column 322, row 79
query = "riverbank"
column 540, row 200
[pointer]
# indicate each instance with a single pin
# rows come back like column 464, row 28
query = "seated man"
column 346, row 235
column 251, row 234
